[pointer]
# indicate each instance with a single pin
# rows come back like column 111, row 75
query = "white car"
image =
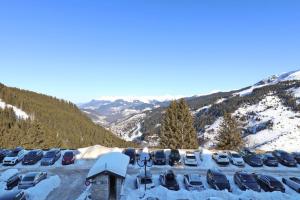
column 221, row 158
column 14, row 157
column 143, row 179
column 190, row 159
column 193, row 182
column 236, row 159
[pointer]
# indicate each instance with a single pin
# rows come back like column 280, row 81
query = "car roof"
column 216, row 172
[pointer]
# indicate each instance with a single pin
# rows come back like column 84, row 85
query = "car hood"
column 252, row 186
column 10, row 158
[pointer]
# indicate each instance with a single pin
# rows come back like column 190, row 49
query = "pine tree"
column 229, row 136
column 177, row 130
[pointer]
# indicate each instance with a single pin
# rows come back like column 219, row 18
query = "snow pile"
column 43, row 189
column 19, row 113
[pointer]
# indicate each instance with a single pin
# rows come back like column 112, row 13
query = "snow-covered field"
column 19, row 113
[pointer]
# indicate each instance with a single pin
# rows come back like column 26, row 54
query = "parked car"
column 13, row 195
column 253, row 160
column 51, row 157
column 31, row 179
column 169, row 181
column 174, row 157
column 132, row 155
column 220, row 158
column 236, row 159
column 143, row 179
column 269, row 183
column 270, row 160
column 285, row 158
column 296, row 156
column 193, row 182
column 190, row 159
column 13, row 181
column 3, row 154
column 292, row 182
column 159, row 157
column 68, row 158
column 14, row 157
column 246, row 152
column 217, row 180
column 246, row 181
column 32, row 157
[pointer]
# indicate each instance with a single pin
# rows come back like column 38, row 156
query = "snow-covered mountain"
column 267, row 111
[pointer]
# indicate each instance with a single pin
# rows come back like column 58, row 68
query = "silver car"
column 293, row 183
column 31, row 179
column 193, row 182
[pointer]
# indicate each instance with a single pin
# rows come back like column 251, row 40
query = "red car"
column 68, row 158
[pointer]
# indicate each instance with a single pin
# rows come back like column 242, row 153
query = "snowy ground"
column 67, row 182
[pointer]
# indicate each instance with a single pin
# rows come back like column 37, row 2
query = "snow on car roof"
column 114, row 162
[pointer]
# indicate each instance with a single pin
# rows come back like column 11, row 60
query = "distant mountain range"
column 267, row 111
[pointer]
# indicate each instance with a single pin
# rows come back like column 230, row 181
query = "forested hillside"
column 52, row 123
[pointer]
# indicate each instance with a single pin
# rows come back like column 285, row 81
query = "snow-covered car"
column 296, row 156
column 14, row 157
column 246, row 181
column 269, row 183
column 221, row 158
column 190, row 159
column 13, row 195
column 285, row 158
column 193, row 182
column 31, row 179
column 293, row 183
column 217, row 180
column 236, row 159
column 12, row 181
column 145, row 179
column 169, row 181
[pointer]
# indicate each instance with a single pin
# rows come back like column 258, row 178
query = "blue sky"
column 79, row 50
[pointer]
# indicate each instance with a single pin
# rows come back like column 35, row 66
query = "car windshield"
column 28, row 178
column 223, row 156
column 220, row 179
column 196, row 183
column 235, row 155
column 32, row 153
column 275, row 183
column 248, row 178
column 68, row 154
column 175, row 153
column 191, row 157
column 146, row 181
column 129, row 152
column 13, row 154
column 50, row 154
column 159, row 154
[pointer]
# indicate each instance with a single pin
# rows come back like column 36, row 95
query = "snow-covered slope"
column 19, row 113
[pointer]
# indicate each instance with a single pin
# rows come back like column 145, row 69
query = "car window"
column 50, row 154
column 28, row 178
column 220, row 179
column 234, row 155
column 13, row 154
column 196, row 183
column 146, row 180
column 191, row 157
column 248, row 178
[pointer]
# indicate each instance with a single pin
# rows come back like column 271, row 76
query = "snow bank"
column 92, row 152
column 43, row 189
column 4, row 176
column 19, row 113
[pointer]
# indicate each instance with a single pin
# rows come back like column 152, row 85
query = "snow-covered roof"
column 114, row 162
